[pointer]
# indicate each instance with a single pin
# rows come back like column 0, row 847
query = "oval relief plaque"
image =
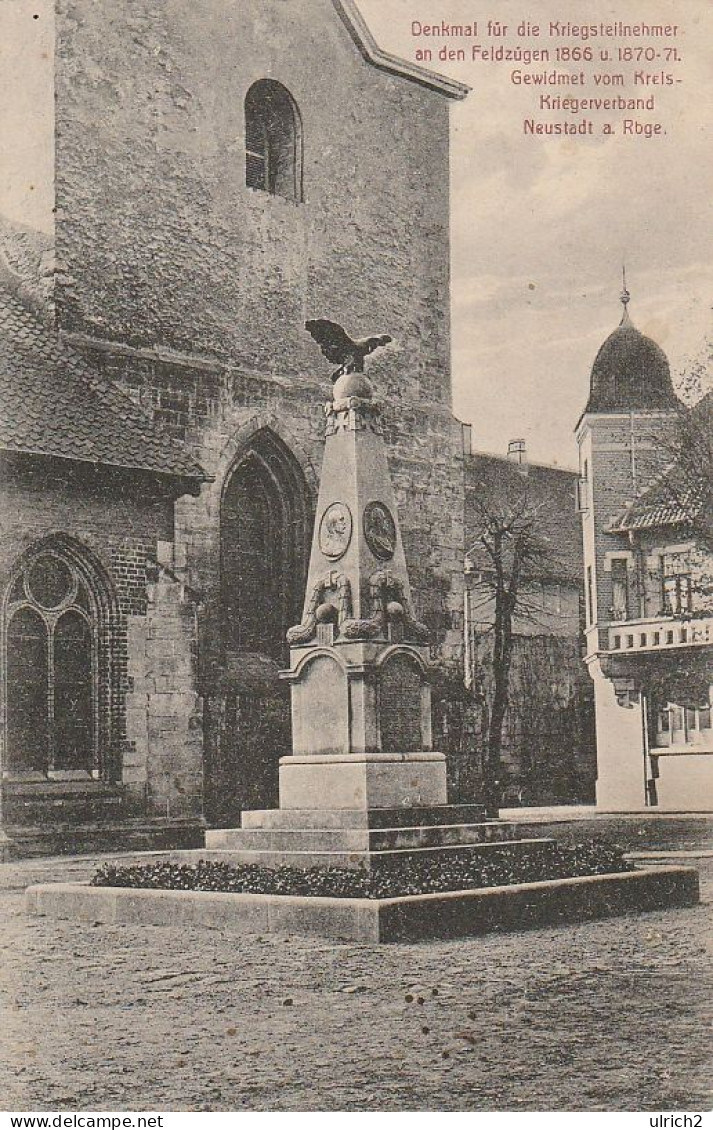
column 380, row 530
column 335, row 530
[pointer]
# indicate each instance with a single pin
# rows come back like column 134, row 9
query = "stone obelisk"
column 359, row 668
column 362, row 786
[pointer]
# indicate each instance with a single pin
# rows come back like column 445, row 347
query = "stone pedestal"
column 363, row 780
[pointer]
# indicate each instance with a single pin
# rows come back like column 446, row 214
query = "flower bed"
column 461, row 871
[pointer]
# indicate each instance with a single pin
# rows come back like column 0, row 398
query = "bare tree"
column 690, row 478
column 508, row 553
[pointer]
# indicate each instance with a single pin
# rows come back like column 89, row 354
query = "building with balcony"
column 644, row 502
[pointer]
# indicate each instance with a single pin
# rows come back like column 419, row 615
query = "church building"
column 223, row 173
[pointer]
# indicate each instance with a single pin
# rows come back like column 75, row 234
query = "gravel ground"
column 610, row 1015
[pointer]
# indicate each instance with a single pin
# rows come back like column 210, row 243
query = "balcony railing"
column 660, row 633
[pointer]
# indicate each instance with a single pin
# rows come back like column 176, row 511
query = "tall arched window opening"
column 273, row 140
column 264, row 540
column 53, row 652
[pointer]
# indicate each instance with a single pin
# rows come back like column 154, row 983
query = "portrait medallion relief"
column 380, row 530
column 335, row 530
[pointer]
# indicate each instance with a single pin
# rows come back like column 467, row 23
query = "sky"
column 26, row 96
column 541, row 225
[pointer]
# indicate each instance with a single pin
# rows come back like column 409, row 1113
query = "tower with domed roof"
column 622, row 435
column 630, row 372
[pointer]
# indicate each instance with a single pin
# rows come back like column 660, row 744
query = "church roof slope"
column 53, row 403
column 357, row 27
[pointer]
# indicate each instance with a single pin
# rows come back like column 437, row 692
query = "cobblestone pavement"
column 610, row 1015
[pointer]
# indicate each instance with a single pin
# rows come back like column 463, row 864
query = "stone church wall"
column 161, row 238
column 166, row 253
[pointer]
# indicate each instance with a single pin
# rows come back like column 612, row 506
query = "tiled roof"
column 679, row 494
column 550, row 496
column 669, row 501
column 53, row 403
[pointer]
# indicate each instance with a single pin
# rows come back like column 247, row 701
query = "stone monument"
column 362, row 756
column 359, row 670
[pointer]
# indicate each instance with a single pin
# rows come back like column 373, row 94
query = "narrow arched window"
column 51, row 669
column 73, row 692
column 27, row 681
column 273, row 140
column 264, row 537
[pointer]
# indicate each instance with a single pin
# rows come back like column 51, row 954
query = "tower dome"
column 630, row 372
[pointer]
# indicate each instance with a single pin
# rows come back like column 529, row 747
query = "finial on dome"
column 624, row 297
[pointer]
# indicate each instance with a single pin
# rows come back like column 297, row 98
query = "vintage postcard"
column 356, row 571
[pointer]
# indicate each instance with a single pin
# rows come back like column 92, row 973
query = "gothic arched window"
column 273, row 140
column 264, row 536
column 51, row 642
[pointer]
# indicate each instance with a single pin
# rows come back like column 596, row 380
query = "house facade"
column 648, row 563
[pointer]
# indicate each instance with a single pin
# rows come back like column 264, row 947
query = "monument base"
column 363, row 780
column 359, row 810
column 408, row 918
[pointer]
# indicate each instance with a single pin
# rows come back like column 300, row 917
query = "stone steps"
column 370, row 859
column 33, row 841
column 27, row 803
column 364, row 837
column 357, row 839
column 444, row 814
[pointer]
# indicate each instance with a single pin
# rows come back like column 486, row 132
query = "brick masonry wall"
column 613, row 483
column 119, row 526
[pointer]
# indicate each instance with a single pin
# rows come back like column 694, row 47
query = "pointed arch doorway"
column 265, row 526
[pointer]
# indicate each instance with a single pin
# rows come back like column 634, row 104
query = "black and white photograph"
column 356, row 568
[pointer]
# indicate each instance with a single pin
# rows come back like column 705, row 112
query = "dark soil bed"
column 461, row 871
